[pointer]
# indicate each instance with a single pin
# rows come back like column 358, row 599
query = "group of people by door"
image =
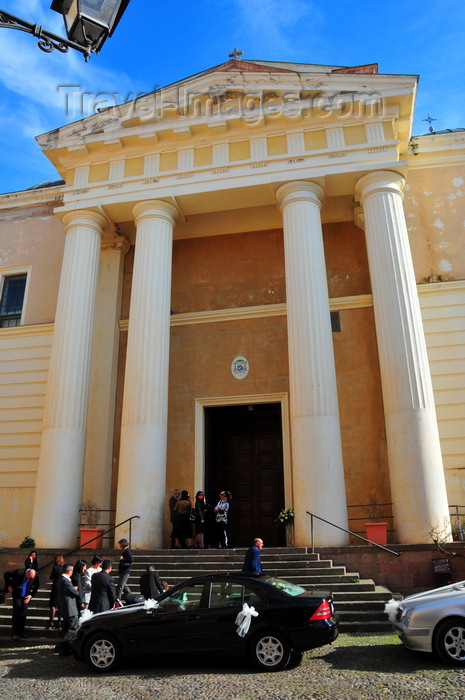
column 199, row 525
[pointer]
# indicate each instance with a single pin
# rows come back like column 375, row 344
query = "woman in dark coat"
column 182, row 526
column 77, row 579
column 201, row 509
column 55, row 578
column 31, row 561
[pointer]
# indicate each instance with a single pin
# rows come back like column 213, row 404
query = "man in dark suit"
column 150, row 584
column 103, row 594
column 67, row 605
column 23, row 585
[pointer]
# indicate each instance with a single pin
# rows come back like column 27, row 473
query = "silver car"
column 432, row 621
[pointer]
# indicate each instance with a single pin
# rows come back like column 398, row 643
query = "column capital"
column 154, row 208
column 300, row 191
column 380, row 181
column 85, row 217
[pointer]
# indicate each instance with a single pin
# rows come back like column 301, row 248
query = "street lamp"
column 88, row 24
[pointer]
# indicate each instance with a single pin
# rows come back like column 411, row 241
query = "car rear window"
column 285, row 586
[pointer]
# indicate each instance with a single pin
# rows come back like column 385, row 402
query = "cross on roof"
column 235, row 54
column 430, row 119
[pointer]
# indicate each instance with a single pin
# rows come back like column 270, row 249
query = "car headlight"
column 406, row 616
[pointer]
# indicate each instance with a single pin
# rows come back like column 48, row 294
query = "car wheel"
column 270, row 651
column 450, row 641
column 103, row 653
column 296, row 659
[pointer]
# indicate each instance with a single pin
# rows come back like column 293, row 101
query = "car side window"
column 226, row 594
column 251, row 597
column 187, row 598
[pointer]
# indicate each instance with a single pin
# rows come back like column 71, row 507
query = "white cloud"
column 37, row 79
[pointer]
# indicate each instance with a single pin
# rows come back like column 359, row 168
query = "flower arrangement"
column 285, row 517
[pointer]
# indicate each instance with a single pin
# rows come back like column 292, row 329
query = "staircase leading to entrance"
column 359, row 603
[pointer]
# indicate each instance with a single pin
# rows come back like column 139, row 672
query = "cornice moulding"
column 27, row 331
column 255, row 312
column 281, row 83
column 30, row 198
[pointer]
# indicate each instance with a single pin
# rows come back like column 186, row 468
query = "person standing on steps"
column 230, row 523
column 252, row 561
column 68, row 595
column 221, row 521
column 23, row 585
column 55, row 578
column 150, row 584
column 77, row 579
column 201, row 509
column 182, row 522
column 124, row 569
column 171, row 503
column 103, row 595
column 31, row 562
column 94, row 568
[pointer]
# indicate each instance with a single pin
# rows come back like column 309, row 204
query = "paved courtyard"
column 364, row 667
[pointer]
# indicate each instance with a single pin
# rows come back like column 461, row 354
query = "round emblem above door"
column 240, row 367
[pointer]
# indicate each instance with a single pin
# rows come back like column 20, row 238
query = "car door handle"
column 190, row 618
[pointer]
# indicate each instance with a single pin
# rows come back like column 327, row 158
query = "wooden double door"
column 244, row 454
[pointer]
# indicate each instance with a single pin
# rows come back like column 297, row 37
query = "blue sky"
column 158, row 43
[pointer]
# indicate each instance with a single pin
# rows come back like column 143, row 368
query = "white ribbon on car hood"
column 244, row 618
column 391, row 609
column 86, row 615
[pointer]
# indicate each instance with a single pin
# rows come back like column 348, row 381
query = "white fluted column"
column 61, row 463
column 416, row 471
column 142, row 465
column 317, row 466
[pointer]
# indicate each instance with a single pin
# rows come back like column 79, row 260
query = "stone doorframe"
column 217, row 401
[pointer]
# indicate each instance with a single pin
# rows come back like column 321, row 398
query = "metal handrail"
column 375, row 544
column 83, row 544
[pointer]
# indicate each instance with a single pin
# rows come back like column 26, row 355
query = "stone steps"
column 360, row 603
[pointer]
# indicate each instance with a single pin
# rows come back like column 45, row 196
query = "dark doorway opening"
column 244, row 454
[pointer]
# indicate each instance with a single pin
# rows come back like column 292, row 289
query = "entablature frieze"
column 235, row 186
column 374, row 123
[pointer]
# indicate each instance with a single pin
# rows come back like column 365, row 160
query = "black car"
column 199, row 615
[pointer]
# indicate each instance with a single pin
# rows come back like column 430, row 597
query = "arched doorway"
column 244, row 454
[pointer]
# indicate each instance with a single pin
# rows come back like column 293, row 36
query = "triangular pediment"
column 249, row 107
column 232, row 80
column 235, row 64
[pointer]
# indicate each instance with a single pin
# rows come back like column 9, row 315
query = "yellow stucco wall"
column 435, row 213
column 223, row 272
column 443, row 312
column 24, row 360
column 32, row 238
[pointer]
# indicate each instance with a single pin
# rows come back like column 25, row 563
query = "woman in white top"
column 95, row 567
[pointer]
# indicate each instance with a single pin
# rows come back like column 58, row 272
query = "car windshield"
column 285, row 586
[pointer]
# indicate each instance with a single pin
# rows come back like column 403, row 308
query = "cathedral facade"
column 252, row 280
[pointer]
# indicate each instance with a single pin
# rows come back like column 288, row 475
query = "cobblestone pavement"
column 356, row 667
